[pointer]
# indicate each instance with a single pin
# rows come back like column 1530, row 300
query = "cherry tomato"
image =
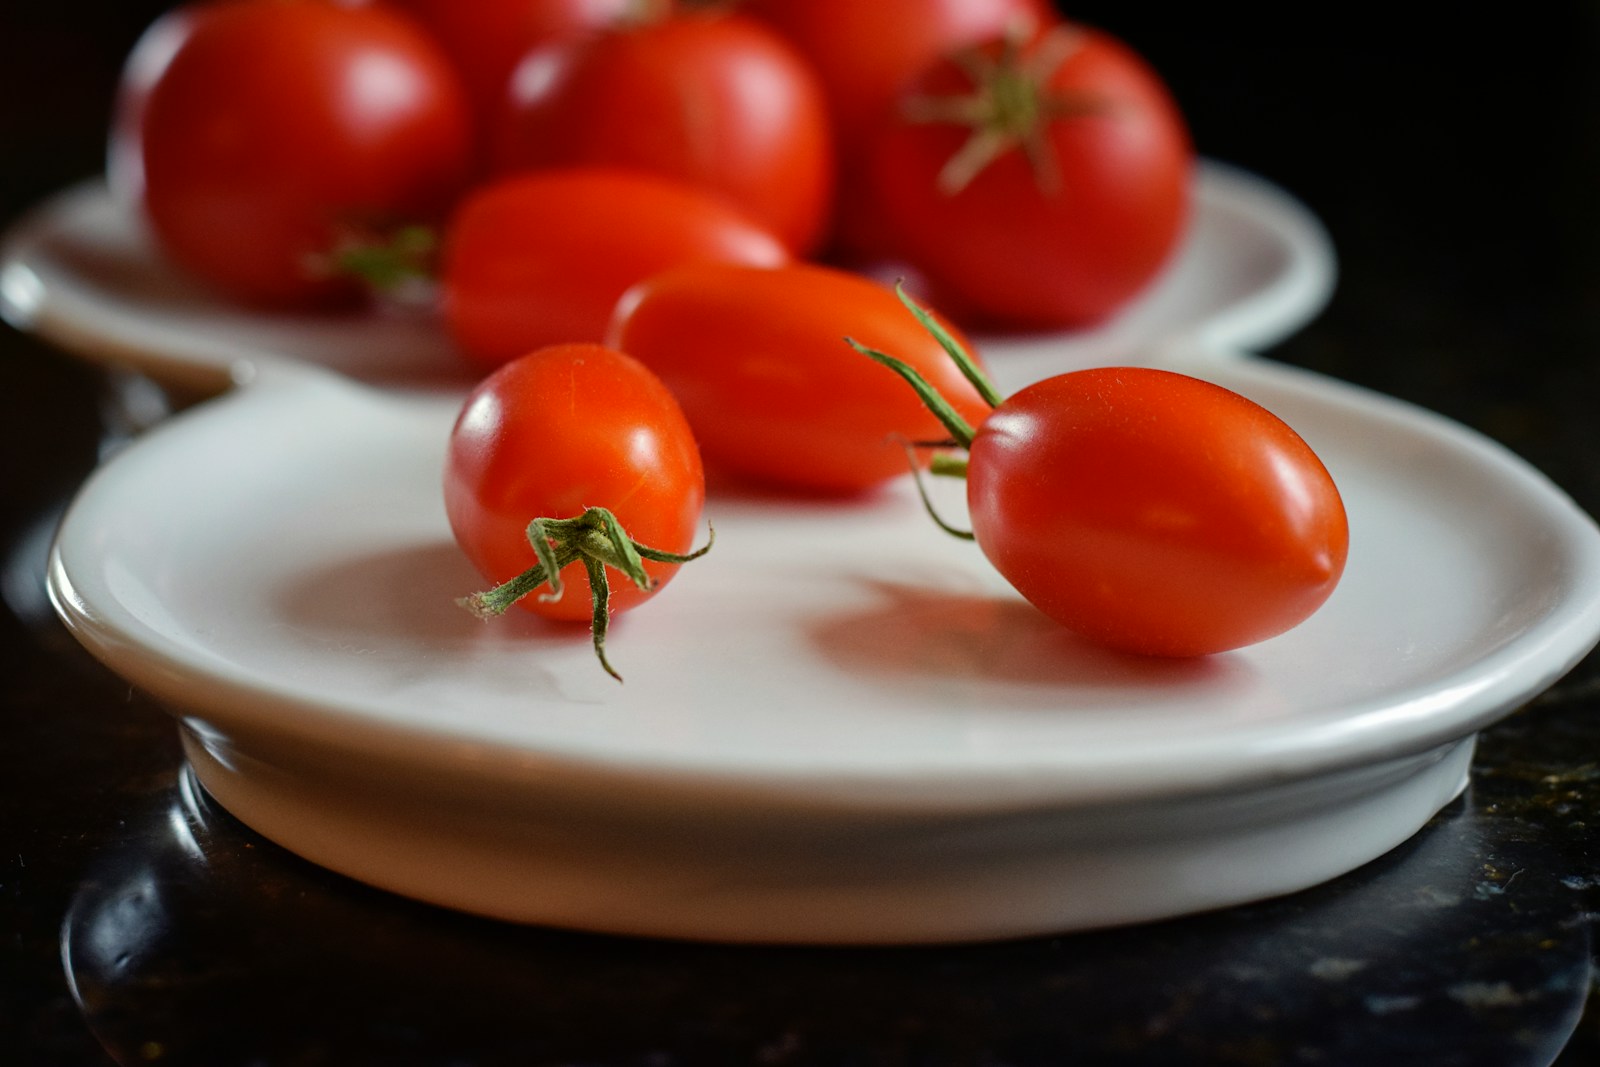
column 278, row 126
column 542, row 258
column 710, row 99
column 1046, row 196
column 759, row 362
column 865, row 52
column 487, row 38
column 1154, row 512
column 553, row 435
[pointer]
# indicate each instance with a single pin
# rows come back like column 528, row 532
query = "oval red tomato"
column 1048, row 196
column 759, row 362
column 555, row 433
column 1155, row 513
column 709, row 99
column 542, row 258
column 280, row 127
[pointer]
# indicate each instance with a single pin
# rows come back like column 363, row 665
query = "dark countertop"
column 1456, row 170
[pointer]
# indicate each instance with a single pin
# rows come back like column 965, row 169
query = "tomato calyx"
column 1009, row 107
column 597, row 540
column 398, row 265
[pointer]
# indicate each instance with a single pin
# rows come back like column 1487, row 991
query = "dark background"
column 1456, row 163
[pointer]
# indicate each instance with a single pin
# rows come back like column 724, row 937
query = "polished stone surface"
column 1456, row 171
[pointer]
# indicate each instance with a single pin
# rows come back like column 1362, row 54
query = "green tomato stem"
column 387, row 262
column 599, row 541
column 939, row 464
column 964, row 361
column 942, row 464
column 961, row 431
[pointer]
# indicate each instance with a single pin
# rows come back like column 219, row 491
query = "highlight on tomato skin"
column 1155, row 513
column 757, row 359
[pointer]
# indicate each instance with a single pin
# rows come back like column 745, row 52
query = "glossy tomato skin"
column 542, row 258
column 555, row 432
column 759, row 362
column 487, row 38
column 1155, row 513
column 710, row 99
column 1019, row 247
column 278, row 125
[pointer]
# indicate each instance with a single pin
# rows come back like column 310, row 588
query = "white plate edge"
column 1474, row 698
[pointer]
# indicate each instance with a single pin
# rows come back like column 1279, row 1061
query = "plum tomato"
column 711, row 99
column 1146, row 510
column 1037, row 183
column 586, row 441
column 487, row 38
column 1155, row 512
column 278, row 129
column 758, row 360
column 542, row 258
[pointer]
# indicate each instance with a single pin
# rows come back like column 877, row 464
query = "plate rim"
column 59, row 315
column 1510, row 673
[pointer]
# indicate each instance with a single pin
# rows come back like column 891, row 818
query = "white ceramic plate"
column 840, row 725
column 80, row 272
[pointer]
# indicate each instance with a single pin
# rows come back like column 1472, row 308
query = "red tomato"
column 758, row 360
column 554, row 434
column 1057, row 199
column 278, row 126
column 710, row 99
column 542, row 258
column 1155, row 513
column 865, row 52
column 486, row 38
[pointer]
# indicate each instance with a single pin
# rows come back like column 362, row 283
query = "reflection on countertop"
column 192, row 941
